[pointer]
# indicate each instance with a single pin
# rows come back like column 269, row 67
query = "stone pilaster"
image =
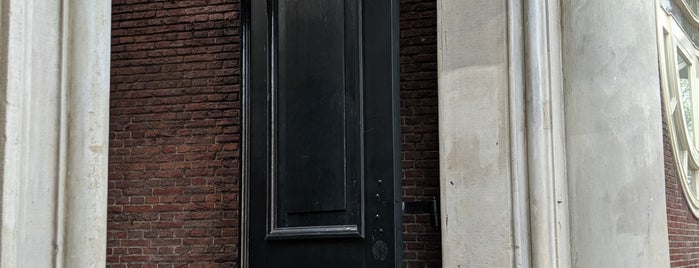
column 54, row 83
column 474, row 134
column 614, row 134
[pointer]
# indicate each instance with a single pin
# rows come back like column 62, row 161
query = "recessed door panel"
column 321, row 134
column 317, row 99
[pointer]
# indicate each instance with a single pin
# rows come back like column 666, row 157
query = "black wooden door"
column 321, row 134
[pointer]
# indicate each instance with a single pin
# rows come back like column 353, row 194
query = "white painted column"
column 474, row 134
column 54, row 83
column 614, row 134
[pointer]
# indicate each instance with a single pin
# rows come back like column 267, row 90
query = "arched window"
column 678, row 30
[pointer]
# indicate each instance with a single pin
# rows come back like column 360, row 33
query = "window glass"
column 685, row 92
column 675, row 7
column 691, row 182
column 666, row 4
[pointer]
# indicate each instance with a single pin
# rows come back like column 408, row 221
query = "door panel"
column 317, row 146
column 321, row 134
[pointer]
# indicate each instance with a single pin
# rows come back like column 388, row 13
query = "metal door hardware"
column 424, row 207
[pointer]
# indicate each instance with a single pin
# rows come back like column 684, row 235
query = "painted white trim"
column 675, row 42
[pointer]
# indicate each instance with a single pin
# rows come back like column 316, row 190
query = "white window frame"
column 673, row 41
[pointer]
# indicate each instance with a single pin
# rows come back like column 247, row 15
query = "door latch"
column 424, row 207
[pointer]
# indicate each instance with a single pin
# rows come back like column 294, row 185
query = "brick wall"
column 174, row 134
column 175, row 125
column 420, row 148
column 683, row 227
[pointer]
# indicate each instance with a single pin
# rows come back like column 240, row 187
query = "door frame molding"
column 244, row 146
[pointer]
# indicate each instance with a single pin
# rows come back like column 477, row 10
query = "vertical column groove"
column 518, row 153
column 545, row 136
column 59, row 227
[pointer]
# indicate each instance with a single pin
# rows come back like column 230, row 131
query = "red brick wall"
column 174, row 134
column 683, row 227
column 175, row 125
column 420, row 149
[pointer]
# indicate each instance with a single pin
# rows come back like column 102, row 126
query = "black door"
column 321, row 154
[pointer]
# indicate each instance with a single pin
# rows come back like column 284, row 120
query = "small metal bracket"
column 424, row 207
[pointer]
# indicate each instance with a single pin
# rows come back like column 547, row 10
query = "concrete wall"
column 614, row 134
column 474, row 134
column 594, row 159
column 54, row 87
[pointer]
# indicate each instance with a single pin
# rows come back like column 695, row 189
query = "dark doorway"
column 321, row 156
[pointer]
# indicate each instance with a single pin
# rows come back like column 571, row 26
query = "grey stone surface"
column 614, row 134
column 54, row 83
column 474, row 134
